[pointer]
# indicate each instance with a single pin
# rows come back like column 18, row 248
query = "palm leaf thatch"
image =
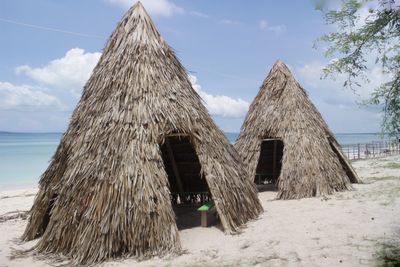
column 106, row 193
column 312, row 161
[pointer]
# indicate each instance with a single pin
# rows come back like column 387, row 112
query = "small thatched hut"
column 285, row 141
column 140, row 142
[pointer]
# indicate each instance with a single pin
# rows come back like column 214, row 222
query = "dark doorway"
column 188, row 189
column 269, row 164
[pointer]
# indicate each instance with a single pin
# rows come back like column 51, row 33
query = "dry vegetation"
column 393, row 165
column 312, row 163
column 105, row 193
column 389, row 254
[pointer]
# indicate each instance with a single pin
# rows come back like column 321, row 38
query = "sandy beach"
column 344, row 229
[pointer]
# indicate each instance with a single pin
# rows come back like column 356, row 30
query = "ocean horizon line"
column 24, row 156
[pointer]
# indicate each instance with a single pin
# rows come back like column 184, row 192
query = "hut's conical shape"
column 105, row 193
column 312, row 161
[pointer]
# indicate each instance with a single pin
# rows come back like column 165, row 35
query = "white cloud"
column 63, row 78
column 25, row 97
column 164, row 8
column 362, row 13
column 199, row 14
column 69, row 72
column 263, row 24
column 277, row 29
column 221, row 105
column 341, row 106
column 229, row 22
column 311, row 75
column 37, row 107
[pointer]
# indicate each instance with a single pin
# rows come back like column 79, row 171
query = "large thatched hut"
column 140, row 142
column 285, row 142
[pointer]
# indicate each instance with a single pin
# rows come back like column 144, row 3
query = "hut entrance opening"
column 269, row 164
column 189, row 190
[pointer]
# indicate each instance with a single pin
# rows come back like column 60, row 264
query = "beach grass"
column 389, row 255
column 393, row 165
column 382, row 178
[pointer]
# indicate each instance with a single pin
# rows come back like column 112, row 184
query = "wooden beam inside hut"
column 174, row 166
column 183, row 168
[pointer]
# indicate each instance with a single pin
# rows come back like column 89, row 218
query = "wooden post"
column 358, row 150
column 204, row 219
column 373, row 151
column 174, row 166
column 274, row 160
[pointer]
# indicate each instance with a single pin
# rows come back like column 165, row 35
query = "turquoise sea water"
column 25, row 156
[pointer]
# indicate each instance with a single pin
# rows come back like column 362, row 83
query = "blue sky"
column 48, row 49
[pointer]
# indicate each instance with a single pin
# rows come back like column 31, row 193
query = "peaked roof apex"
column 280, row 64
column 139, row 7
column 138, row 26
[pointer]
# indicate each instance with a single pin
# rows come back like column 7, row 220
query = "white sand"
column 344, row 229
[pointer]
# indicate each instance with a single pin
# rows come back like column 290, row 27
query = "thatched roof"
column 312, row 162
column 106, row 184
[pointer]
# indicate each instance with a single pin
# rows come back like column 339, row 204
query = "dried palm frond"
column 105, row 193
column 312, row 162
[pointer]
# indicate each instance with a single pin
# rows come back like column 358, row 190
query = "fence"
column 371, row 150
